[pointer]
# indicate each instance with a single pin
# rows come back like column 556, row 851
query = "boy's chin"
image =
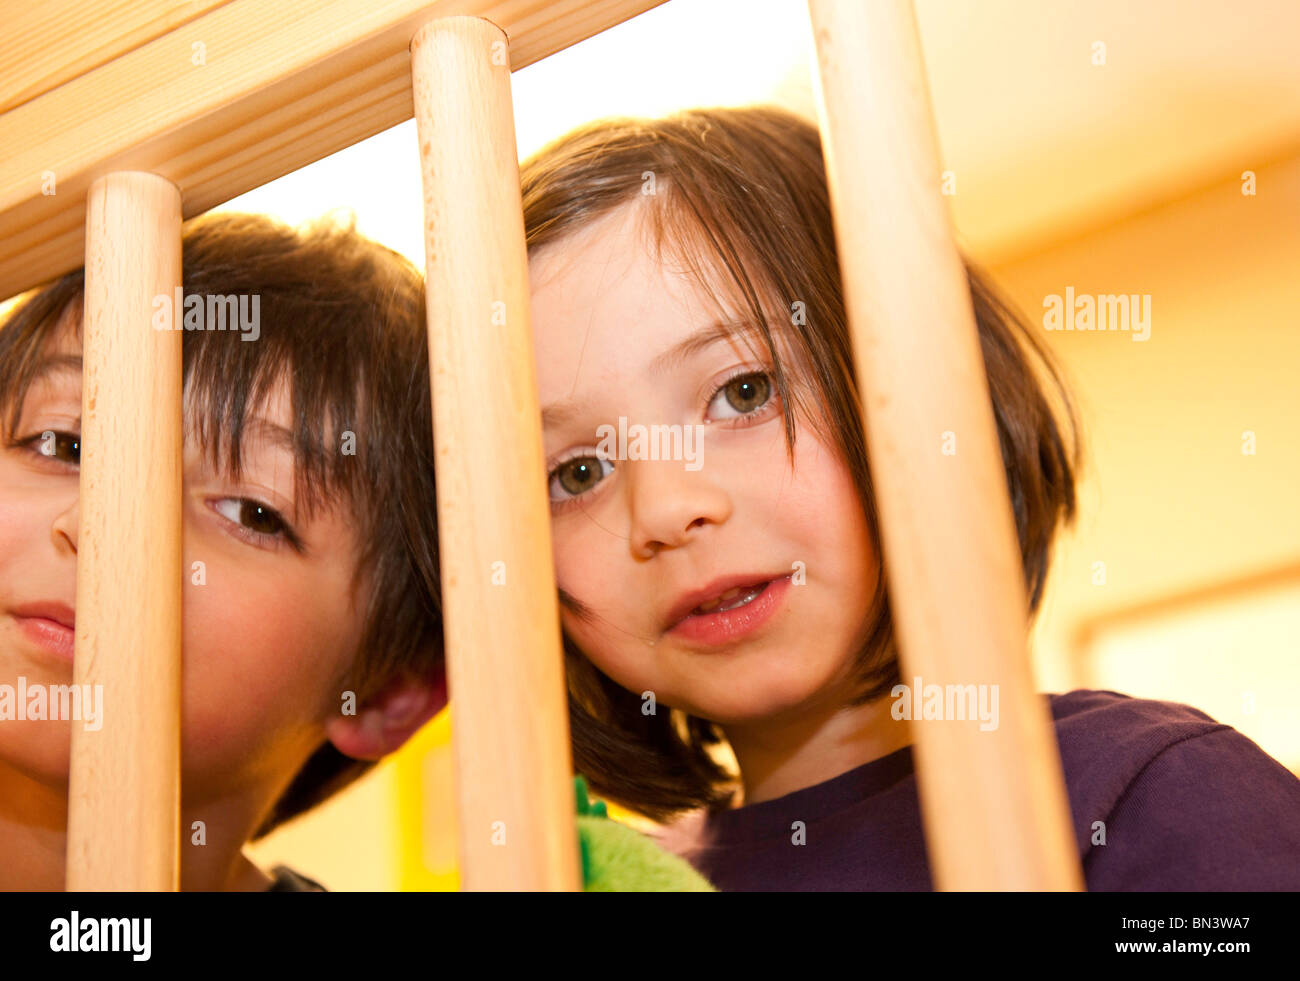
column 37, row 752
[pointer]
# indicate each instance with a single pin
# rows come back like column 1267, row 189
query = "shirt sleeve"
column 1210, row 813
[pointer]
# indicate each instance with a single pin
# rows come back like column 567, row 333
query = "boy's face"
column 265, row 634
column 636, row 540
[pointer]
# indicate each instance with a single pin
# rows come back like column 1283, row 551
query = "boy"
column 312, row 633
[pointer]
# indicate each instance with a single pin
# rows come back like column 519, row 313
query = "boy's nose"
column 63, row 530
column 670, row 503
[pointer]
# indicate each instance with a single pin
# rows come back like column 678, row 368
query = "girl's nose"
column 63, row 530
column 671, row 505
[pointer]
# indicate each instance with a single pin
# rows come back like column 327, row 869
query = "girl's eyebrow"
column 558, row 413
column 710, row 334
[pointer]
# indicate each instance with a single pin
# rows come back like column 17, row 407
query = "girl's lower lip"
column 723, row 626
column 50, row 635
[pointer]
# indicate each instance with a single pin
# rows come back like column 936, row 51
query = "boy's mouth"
column 59, row 613
column 50, row 625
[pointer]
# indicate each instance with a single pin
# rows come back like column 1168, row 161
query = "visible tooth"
column 730, row 594
column 749, row 597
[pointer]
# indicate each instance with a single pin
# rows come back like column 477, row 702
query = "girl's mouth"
column 735, row 614
column 732, row 599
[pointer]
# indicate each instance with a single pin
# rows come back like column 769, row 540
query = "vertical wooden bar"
column 513, row 765
column 124, row 782
column 993, row 802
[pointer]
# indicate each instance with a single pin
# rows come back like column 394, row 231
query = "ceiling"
column 1044, row 143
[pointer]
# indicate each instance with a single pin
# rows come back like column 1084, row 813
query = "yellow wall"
column 1170, row 502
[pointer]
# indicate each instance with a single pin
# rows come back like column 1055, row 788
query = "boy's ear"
column 389, row 718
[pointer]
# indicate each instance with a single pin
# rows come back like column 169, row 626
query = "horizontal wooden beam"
column 227, row 101
column 46, row 44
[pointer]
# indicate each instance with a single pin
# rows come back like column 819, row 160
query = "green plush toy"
column 616, row 858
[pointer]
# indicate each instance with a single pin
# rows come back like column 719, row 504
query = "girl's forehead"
column 606, row 248
column 606, row 331
column 603, row 286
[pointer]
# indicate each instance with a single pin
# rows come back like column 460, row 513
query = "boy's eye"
column 577, row 476
column 743, row 395
column 56, row 445
column 253, row 515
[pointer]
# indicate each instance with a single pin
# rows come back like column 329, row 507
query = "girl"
column 308, row 472
column 684, row 274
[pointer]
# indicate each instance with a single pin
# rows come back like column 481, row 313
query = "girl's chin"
column 756, row 712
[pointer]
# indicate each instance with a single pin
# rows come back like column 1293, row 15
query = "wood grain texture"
column 993, row 802
column 51, row 42
column 283, row 83
column 510, row 732
column 124, row 782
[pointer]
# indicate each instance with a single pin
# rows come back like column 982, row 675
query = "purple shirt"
column 1188, row 804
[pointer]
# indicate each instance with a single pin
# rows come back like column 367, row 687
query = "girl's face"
column 642, row 542
column 267, row 627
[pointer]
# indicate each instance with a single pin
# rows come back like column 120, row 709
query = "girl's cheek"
column 582, row 567
column 590, row 635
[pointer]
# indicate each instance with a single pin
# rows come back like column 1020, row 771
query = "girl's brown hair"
column 739, row 197
column 342, row 319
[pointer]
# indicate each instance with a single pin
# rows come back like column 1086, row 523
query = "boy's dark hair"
column 342, row 320
column 741, row 201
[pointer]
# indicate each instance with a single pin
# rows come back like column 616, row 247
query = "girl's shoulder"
column 1165, row 797
column 1107, row 739
column 1088, row 709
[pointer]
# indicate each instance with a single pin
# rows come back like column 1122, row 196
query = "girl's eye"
column 263, row 522
column 740, row 397
column 744, row 395
column 577, row 476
